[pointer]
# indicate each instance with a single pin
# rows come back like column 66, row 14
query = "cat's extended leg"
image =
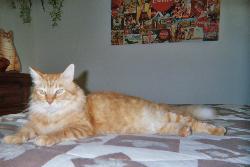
column 202, row 127
column 67, row 133
column 23, row 135
column 184, row 125
column 176, row 125
column 176, row 129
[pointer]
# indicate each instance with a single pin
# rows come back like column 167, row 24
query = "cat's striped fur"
column 59, row 110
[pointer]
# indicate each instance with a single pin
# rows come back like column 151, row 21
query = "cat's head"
column 6, row 35
column 55, row 92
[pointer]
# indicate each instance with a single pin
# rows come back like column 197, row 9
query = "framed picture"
column 159, row 21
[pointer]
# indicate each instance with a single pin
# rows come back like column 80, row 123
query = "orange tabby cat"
column 59, row 110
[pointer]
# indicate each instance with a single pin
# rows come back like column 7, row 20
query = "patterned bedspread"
column 137, row 150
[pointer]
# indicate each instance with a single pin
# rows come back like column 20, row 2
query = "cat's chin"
column 47, row 108
column 52, row 109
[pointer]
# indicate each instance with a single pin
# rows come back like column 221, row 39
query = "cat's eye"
column 41, row 92
column 59, row 91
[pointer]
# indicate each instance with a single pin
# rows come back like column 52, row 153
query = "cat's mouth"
column 53, row 107
column 44, row 107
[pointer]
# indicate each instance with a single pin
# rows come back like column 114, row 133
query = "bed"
column 137, row 150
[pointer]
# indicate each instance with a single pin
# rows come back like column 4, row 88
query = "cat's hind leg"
column 196, row 125
column 176, row 124
column 176, row 129
column 202, row 127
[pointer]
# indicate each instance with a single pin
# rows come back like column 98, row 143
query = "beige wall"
column 193, row 72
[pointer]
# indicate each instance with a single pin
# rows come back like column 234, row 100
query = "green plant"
column 25, row 6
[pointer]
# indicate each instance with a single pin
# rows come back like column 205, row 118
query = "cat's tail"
column 197, row 111
column 202, row 112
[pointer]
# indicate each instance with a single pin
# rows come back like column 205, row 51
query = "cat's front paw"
column 45, row 141
column 14, row 139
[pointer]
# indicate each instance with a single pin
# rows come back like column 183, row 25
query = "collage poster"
column 159, row 21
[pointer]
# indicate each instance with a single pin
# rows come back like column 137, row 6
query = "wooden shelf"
column 14, row 92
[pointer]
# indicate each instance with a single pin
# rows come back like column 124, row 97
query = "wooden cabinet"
column 14, row 92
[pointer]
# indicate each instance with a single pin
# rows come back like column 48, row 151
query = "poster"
column 159, row 21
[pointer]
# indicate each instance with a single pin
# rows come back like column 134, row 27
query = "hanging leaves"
column 56, row 12
column 25, row 10
column 25, row 6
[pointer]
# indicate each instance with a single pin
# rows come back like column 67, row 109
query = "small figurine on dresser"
column 8, row 51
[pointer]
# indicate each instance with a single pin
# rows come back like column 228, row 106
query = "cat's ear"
column 68, row 73
column 35, row 75
column 10, row 34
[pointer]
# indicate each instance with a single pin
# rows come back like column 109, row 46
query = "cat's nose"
column 50, row 99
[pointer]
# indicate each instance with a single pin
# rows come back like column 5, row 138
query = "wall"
column 193, row 72
column 248, row 55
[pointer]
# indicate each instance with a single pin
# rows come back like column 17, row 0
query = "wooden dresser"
column 14, row 92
